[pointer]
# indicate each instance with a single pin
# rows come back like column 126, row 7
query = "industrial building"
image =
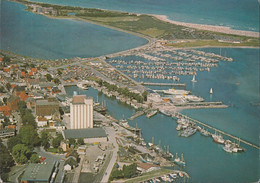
column 38, row 173
column 89, row 135
column 81, row 112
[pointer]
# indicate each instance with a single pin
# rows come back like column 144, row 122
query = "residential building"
column 46, row 107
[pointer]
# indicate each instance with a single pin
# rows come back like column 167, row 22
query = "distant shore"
column 214, row 28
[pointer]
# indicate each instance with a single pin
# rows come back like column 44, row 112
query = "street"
column 111, row 135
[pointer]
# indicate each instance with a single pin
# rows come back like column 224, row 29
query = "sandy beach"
column 214, row 28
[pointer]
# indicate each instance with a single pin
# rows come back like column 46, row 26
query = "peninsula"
column 177, row 34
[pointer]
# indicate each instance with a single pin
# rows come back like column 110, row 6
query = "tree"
column 48, row 77
column 21, row 153
column 2, row 89
column 29, row 136
column 59, row 72
column 80, row 141
column 72, row 141
column 11, row 142
column 35, row 158
column 6, row 59
column 28, row 118
column 57, row 81
column 5, row 100
column 144, row 94
column 22, row 106
column 56, row 141
column 129, row 171
column 6, row 121
column 6, row 162
column 45, row 140
column 8, row 86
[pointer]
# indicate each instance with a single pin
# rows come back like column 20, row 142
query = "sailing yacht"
column 193, row 79
column 211, row 91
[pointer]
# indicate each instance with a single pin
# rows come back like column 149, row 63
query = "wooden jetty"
column 177, row 114
column 164, row 84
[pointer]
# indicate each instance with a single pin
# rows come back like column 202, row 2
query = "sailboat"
column 211, row 91
column 179, row 161
column 193, row 79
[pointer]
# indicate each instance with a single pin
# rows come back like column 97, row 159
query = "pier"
column 199, row 105
column 137, row 114
column 164, row 84
column 69, row 84
column 177, row 114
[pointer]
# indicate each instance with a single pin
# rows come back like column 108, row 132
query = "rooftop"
column 38, row 172
column 84, row 133
column 45, row 102
column 79, row 99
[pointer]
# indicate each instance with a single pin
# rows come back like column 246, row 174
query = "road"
column 111, row 135
column 78, row 169
column 18, row 121
column 16, row 174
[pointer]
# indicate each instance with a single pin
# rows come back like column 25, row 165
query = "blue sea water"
column 206, row 160
column 237, row 14
column 37, row 36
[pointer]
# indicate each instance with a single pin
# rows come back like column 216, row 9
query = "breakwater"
column 179, row 115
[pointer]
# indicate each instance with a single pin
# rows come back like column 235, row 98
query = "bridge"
column 179, row 115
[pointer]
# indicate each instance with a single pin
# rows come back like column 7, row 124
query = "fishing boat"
column 176, row 92
column 188, row 132
column 179, row 127
column 82, row 86
column 179, row 161
column 180, row 174
column 194, row 79
column 151, row 113
column 228, row 149
column 204, row 132
column 193, row 98
column 211, row 91
column 218, row 138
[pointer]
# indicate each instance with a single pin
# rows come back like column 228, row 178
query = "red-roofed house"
column 5, row 110
column 13, row 85
column 23, row 74
column 31, row 73
column 23, row 96
column 11, row 126
column 1, row 59
column 6, row 70
column 34, row 70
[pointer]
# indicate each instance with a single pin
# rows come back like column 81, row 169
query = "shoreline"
column 213, row 28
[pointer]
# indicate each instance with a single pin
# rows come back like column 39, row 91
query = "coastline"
column 214, row 28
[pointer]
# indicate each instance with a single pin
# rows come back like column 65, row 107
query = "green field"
column 149, row 26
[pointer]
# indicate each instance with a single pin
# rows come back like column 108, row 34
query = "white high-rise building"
column 81, row 112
